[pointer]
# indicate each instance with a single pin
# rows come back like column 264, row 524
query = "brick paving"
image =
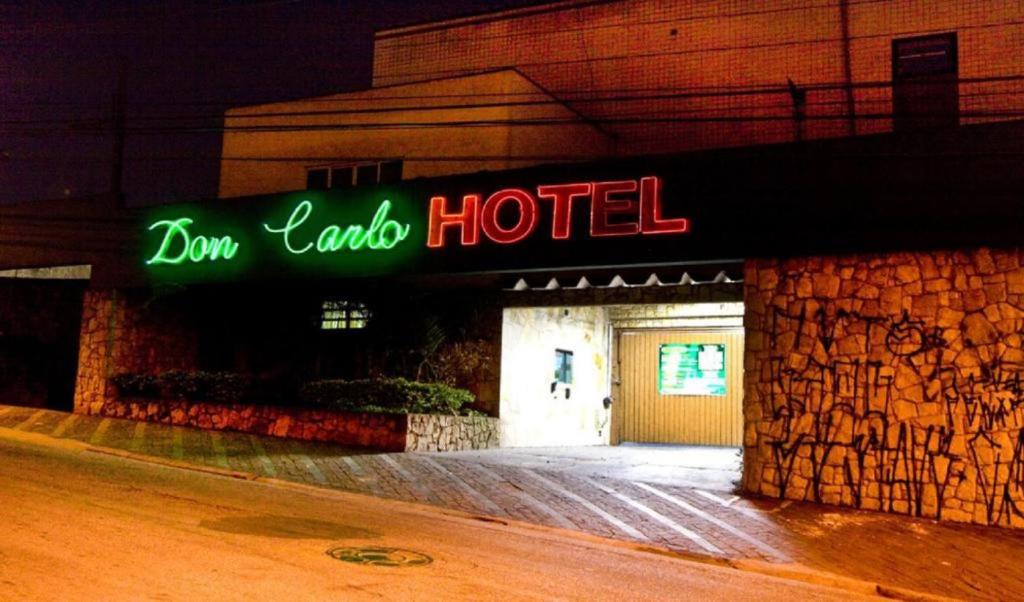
column 962, row 561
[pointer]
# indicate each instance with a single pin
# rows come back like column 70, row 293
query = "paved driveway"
column 711, row 468
column 575, row 489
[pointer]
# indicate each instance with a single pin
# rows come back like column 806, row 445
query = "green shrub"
column 136, row 385
column 387, row 395
column 384, row 395
column 223, row 387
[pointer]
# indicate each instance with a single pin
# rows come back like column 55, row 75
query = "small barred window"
column 343, row 315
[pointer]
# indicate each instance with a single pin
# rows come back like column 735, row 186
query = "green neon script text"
column 382, row 233
column 179, row 246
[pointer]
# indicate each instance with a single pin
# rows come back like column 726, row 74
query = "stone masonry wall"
column 430, row 432
column 888, row 382
column 121, row 332
column 387, row 432
column 125, row 331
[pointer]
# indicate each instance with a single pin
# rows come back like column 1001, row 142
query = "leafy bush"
column 136, row 385
column 224, row 387
column 387, row 395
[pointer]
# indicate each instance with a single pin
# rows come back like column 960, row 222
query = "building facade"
column 791, row 228
column 588, row 79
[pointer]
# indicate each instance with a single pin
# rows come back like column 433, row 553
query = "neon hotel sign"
column 616, row 209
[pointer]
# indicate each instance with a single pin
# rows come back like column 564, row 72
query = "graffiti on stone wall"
column 897, row 414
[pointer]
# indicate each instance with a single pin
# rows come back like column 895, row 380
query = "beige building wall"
column 714, row 72
column 531, row 414
column 427, row 125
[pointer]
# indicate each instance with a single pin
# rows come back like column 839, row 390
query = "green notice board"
column 691, row 369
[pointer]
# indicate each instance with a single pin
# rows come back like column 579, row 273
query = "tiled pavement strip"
column 952, row 560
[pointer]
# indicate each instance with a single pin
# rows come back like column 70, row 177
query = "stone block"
column 868, row 291
column 973, row 299
column 925, row 306
column 983, row 261
column 826, row 285
column 978, row 330
column 908, row 272
column 804, row 288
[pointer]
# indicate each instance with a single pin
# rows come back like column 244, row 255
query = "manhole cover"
column 380, row 556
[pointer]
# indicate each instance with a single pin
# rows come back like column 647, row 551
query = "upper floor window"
column 925, row 82
column 346, row 176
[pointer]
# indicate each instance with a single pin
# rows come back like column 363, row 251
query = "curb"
column 789, row 572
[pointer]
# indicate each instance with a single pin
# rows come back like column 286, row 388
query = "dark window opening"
column 390, row 172
column 341, row 177
column 924, row 82
column 316, row 179
column 366, row 174
column 346, row 176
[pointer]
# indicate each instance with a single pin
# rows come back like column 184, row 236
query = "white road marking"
column 753, row 514
column 363, row 476
column 629, row 530
column 64, row 425
column 411, row 479
column 100, row 432
column 528, row 499
column 310, row 467
column 473, row 493
column 24, row 424
column 220, row 455
column 178, row 444
column 661, row 518
column 139, row 436
column 713, row 520
column 261, row 455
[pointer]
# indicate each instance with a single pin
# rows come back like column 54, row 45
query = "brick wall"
column 707, row 48
column 888, row 382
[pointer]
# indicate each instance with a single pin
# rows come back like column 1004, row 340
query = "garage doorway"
column 679, row 386
column 667, row 373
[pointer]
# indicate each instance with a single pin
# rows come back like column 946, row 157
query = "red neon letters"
column 527, row 220
column 511, row 215
column 467, row 220
column 561, row 196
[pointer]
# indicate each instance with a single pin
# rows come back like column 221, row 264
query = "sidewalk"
column 944, row 559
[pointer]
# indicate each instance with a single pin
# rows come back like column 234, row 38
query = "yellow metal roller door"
column 645, row 412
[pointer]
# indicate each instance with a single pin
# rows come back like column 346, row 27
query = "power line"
column 630, row 98
column 479, row 123
column 756, row 46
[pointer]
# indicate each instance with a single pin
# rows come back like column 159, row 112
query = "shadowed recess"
column 266, row 525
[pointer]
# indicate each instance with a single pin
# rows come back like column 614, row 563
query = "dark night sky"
column 58, row 72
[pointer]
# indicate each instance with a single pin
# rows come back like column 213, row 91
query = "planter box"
column 386, row 432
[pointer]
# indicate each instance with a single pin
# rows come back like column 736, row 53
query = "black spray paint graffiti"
column 895, row 411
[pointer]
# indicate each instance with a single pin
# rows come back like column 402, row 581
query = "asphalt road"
column 78, row 525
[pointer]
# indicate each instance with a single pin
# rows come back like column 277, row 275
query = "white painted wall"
column 530, row 415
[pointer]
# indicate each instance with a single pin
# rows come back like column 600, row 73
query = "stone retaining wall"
column 121, row 332
column 387, row 432
column 433, row 432
column 888, row 382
